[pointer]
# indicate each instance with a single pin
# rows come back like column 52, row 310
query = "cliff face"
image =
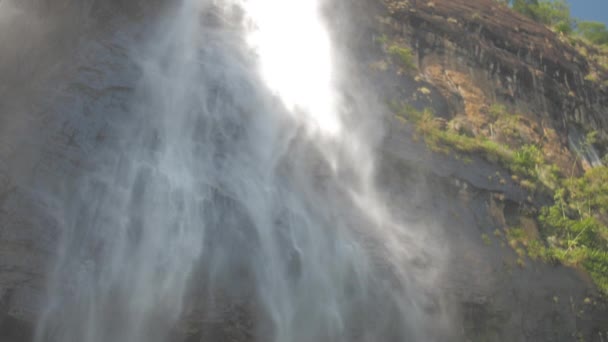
column 459, row 58
column 468, row 63
column 480, row 53
column 509, row 57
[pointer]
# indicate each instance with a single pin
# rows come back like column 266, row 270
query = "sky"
column 595, row 10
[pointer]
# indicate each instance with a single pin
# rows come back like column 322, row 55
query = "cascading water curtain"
column 235, row 179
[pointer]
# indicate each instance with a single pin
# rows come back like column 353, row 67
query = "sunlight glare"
column 295, row 58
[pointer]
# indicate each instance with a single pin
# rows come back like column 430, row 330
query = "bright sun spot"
column 295, row 56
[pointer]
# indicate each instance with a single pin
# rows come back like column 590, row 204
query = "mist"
column 226, row 168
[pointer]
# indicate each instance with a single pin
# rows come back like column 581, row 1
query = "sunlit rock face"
column 228, row 171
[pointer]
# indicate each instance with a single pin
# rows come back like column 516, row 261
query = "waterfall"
column 238, row 185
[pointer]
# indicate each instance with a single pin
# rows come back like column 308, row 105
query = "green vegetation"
column 404, row 55
column 594, row 32
column 486, row 239
column 573, row 230
column 556, row 14
column 497, row 111
column 383, row 39
column 575, row 226
column 527, row 161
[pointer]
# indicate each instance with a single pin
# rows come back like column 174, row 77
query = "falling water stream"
column 240, row 176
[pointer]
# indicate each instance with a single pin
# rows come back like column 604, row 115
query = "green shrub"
column 537, row 251
column 526, row 161
column 555, row 13
column 594, row 32
column 575, row 224
column 592, row 77
column 563, row 27
column 486, row 239
column 404, row 55
column 383, row 39
column 525, row 7
column 597, row 266
column 589, row 193
column 497, row 111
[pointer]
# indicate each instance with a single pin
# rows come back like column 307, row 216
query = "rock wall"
column 469, row 55
column 510, row 57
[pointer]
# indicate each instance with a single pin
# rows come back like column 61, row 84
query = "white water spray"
column 235, row 180
column 295, row 58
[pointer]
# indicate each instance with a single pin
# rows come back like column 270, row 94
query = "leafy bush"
column 405, row 56
column 497, row 111
column 555, row 13
column 526, row 160
column 383, row 39
column 525, row 7
column 576, row 223
column 597, row 265
column 590, row 192
column 594, row 32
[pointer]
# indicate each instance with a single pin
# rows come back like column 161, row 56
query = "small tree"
column 554, row 13
column 525, row 7
column 593, row 31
